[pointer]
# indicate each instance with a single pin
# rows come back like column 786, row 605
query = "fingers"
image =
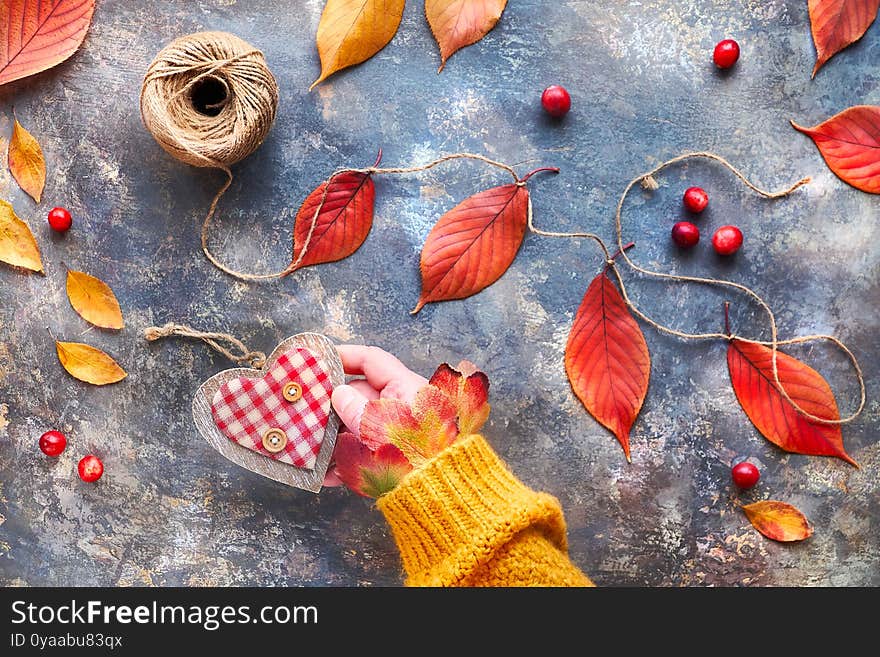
column 349, row 404
column 364, row 388
column 380, row 368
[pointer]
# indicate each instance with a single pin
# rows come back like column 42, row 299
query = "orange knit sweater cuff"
column 450, row 517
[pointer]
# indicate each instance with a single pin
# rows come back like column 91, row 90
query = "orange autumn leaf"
column 473, row 244
column 93, row 299
column 779, row 521
column 26, row 161
column 369, row 472
column 751, row 373
column 850, row 144
column 607, row 360
column 836, row 24
column 460, row 23
column 88, row 363
column 420, row 431
column 342, row 224
column 352, row 31
column 17, row 244
column 36, row 36
column 468, row 389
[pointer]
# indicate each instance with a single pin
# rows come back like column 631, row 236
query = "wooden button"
column 274, row 440
column 292, row 391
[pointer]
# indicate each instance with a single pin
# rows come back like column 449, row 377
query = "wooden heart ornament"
column 276, row 421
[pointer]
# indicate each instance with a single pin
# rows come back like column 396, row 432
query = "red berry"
column 696, row 199
column 745, row 475
column 59, row 219
column 556, row 101
column 727, row 240
column 685, row 234
column 90, row 468
column 53, row 443
column 726, row 53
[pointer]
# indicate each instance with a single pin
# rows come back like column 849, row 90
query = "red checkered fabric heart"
column 245, row 409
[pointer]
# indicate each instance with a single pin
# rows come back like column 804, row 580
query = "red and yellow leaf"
column 352, row 31
column 473, row 244
column 779, row 521
column 17, row 244
column 468, row 389
column 837, row 24
column 26, row 161
column 460, row 23
column 371, row 473
column 850, row 144
column 36, row 36
column 751, row 373
column 607, row 359
column 420, row 431
column 343, row 222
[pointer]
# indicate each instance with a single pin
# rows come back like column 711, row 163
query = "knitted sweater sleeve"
column 465, row 520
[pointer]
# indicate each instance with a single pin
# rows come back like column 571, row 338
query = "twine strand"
column 244, row 356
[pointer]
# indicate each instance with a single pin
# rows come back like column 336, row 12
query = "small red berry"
column 685, row 234
column 726, row 53
column 696, row 199
column 745, row 474
column 53, row 443
column 90, row 468
column 59, row 219
column 727, row 240
column 556, row 101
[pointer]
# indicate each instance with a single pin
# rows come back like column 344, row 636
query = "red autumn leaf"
column 343, row 222
column 367, row 472
column 850, row 144
column 837, row 24
column 751, row 372
column 607, row 359
column 39, row 35
column 420, row 431
column 468, row 389
column 778, row 520
column 460, row 23
column 473, row 244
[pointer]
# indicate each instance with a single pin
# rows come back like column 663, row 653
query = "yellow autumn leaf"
column 778, row 520
column 93, row 299
column 17, row 244
column 352, row 31
column 26, row 161
column 88, row 364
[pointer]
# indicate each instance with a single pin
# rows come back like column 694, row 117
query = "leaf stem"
column 617, row 253
column 378, row 158
column 539, row 170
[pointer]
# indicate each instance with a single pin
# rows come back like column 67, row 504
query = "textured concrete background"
column 171, row 511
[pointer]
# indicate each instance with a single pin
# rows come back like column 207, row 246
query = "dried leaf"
column 88, row 364
column 352, row 31
column 850, row 144
column 607, row 359
column 371, row 473
column 460, row 23
column 26, row 161
column 93, row 299
column 837, row 24
column 751, row 373
column 39, row 35
column 473, row 244
column 779, row 521
column 468, row 389
column 343, row 223
column 17, row 244
column 420, row 431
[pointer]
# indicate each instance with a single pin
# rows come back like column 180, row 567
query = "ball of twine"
column 209, row 99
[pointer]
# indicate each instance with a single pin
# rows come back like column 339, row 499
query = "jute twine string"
column 648, row 182
column 298, row 258
column 243, row 356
